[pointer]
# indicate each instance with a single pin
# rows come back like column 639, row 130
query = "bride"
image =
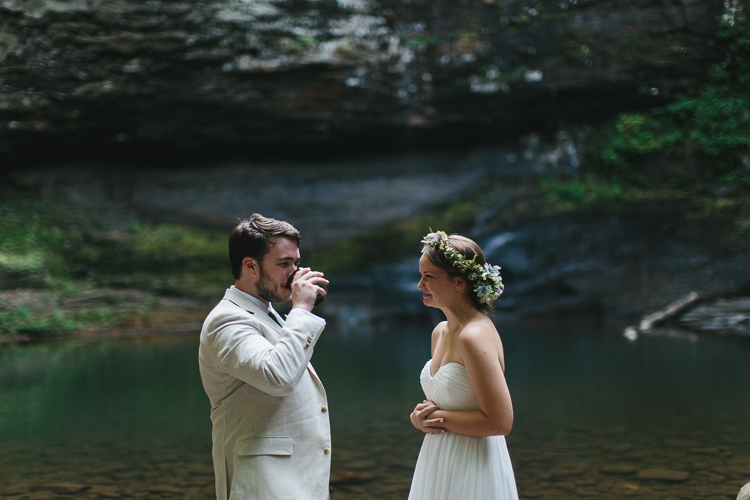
column 468, row 410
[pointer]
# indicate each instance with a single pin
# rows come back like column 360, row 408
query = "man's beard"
column 267, row 289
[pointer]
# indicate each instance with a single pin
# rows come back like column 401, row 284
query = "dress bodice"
column 450, row 388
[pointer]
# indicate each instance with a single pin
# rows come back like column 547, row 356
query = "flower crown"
column 489, row 283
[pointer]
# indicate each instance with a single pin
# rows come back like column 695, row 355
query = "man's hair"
column 252, row 238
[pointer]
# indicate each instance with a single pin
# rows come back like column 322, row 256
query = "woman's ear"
column 460, row 283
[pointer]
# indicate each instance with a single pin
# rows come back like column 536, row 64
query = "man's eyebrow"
column 287, row 258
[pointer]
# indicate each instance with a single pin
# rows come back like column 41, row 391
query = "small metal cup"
column 319, row 297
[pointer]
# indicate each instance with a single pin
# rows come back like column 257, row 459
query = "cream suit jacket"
column 271, row 431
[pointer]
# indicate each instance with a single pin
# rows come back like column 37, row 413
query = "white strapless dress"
column 455, row 467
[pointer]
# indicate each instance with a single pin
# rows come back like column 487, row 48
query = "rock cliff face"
column 138, row 77
column 591, row 263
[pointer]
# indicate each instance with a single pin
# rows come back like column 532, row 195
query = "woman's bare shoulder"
column 480, row 337
column 478, row 331
column 438, row 330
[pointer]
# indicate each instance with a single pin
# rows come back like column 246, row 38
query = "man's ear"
column 251, row 267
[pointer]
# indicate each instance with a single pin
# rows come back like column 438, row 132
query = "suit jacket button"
column 324, row 409
column 327, row 451
column 307, row 345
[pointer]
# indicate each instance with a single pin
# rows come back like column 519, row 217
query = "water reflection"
column 595, row 415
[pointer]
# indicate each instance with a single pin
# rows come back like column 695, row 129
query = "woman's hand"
column 420, row 418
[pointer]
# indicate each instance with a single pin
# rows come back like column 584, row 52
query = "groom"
column 271, row 433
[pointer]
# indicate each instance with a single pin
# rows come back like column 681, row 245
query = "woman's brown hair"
column 469, row 249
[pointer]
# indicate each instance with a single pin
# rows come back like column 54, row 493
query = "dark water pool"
column 596, row 416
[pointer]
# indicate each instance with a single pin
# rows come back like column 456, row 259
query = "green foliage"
column 21, row 264
column 173, row 259
column 166, row 241
column 57, row 322
column 467, row 37
column 592, row 190
column 577, row 50
column 419, row 42
column 20, row 321
column 741, row 234
column 578, row 192
column 58, row 247
column 392, row 242
column 700, row 140
column 33, row 242
column 297, row 44
column 716, row 121
column 63, row 251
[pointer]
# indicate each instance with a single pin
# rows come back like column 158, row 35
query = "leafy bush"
column 702, row 139
column 59, row 247
column 20, row 321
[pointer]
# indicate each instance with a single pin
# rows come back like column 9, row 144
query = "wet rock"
column 733, row 471
column 616, row 469
column 711, row 450
column 627, row 490
column 165, row 488
column 62, row 488
column 679, row 443
column 744, row 493
column 350, row 477
column 529, row 493
column 664, row 475
column 566, row 470
column 128, row 474
column 15, row 497
column 714, row 478
column 136, row 77
column 105, row 491
column 15, row 489
column 587, row 492
column 361, row 464
column 42, row 495
column 569, row 264
column 566, row 486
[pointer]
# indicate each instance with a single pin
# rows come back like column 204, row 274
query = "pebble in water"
column 664, row 475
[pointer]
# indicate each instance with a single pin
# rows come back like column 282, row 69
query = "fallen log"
column 672, row 310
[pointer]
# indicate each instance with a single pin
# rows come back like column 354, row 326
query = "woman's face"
column 437, row 286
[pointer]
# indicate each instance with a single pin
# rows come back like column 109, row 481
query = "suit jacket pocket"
column 266, row 445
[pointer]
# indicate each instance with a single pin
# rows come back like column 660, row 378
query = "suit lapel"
column 262, row 316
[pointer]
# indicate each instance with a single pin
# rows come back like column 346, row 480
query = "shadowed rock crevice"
column 114, row 79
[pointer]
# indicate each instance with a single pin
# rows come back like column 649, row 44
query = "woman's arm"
column 479, row 350
column 420, row 417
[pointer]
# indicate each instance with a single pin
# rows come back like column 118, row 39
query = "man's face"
column 275, row 268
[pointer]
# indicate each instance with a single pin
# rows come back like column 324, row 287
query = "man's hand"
column 420, row 418
column 305, row 288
